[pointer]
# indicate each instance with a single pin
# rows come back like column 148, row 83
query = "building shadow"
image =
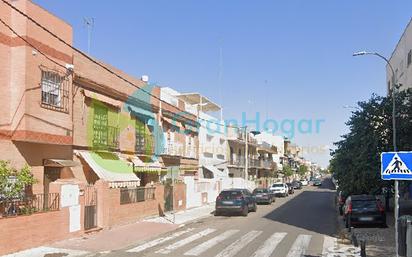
column 311, row 210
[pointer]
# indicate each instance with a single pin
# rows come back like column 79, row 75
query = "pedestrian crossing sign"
column 396, row 166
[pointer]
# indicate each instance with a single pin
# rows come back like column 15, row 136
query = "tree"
column 302, row 170
column 287, row 170
column 13, row 182
column 356, row 161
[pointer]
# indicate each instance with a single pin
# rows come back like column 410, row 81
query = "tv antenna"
column 89, row 23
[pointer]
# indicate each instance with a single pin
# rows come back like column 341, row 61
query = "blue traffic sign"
column 396, row 166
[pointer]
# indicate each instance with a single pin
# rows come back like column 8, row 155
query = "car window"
column 230, row 194
column 257, row 191
column 277, row 185
column 369, row 204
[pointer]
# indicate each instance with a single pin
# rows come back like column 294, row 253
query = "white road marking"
column 329, row 245
column 236, row 246
column 270, row 245
column 186, row 241
column 42, row 251
column 158, row 241
column 300, row 246
column 210, row 243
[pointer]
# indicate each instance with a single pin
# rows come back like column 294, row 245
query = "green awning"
column 140, row 112
column 109, row 167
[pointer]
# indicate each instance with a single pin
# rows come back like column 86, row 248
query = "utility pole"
column 246, row 154
column 89, row 23
column 395, row 147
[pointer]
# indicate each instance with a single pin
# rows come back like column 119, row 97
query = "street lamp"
column 351, row 107
column 395, row 148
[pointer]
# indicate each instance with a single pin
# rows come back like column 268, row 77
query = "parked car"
column 235, row 201
column 291, row 188
column 317, row 182
column 280, row 189
column 297, row 185
column 363, row 209
column 341, row 199
column 304, row 182
column 263, row 195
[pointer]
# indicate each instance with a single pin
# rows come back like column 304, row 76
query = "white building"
column 213, row 145
column 401, row 61
column 276, row 141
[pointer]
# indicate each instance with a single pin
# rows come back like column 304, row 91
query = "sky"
column 290, row 61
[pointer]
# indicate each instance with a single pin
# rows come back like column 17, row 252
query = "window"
column 209, row 138
column 144, row 137
column 140, row 136
column 409, row 58
column 100, row 126
column 54, row 91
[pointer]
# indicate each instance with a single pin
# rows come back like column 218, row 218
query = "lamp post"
column 395, row 148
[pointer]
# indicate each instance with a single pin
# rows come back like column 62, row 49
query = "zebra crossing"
column 197, row 243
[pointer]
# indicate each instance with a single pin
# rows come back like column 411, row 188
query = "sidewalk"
column 119, row 237
column 380, row 242
column 185, row 216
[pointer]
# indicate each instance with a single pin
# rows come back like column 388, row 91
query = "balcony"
column 253, row 163
column 173, row 149
column 145, row 146
column 105, row 137
column 238, row 161
column 266, row 164
column 190, row 152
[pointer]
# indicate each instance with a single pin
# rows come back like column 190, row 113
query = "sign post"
column 396, row 166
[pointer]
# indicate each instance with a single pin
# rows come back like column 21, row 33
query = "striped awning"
column 109, row 167
column 154, row 166
column 102, row 98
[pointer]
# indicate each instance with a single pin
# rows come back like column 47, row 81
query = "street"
column 292, row 226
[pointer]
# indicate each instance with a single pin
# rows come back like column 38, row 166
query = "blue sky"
column 287, row 59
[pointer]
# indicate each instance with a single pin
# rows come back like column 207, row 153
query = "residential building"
column 180, row 130
column 213, row 145
column 401, row 61
column 238, row 162
column 115, row 126
column 36, row 125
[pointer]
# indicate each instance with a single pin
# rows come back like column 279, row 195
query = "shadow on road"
column 311, row 210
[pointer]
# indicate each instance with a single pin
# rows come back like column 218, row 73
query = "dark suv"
column 235, row 201
column 364, row 209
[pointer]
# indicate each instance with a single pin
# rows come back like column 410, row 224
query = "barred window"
column 54, row 91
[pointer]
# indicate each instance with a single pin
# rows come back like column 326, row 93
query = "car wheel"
column 245, row 212
column 217, row 213
column 254, row 208
column 347, row 222
column 384, row 224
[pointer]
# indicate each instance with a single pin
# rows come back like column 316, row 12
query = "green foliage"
column 302, row 170
column 12, row 181
column 356, row 160
column 287, row 170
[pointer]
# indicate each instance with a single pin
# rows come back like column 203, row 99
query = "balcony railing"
column 253, row 162
column 190, row 152
column 29, row 205
column 105, row 136
column 173, row 149
column 147, row 147
column 267, row 164
column 238, row 161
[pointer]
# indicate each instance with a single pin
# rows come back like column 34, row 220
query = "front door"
column 90, row 207
column 168, row 195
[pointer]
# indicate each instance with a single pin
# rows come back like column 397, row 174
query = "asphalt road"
column 303, row 224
